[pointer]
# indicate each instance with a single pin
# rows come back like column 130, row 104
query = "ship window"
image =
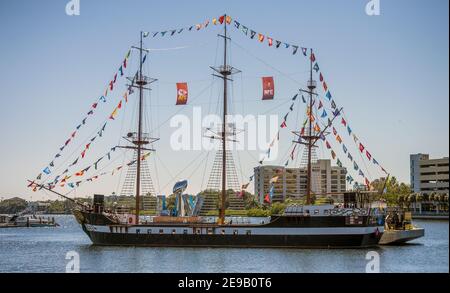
column 138, row 231
column 185, row 232
column 210, row 231
column 235, row 232
column 327, row 212
column 249, row 232
column 316, row 212
column 149, row 231
column 198, row 231
column 174, row 231
column 223, row 232
column 161, row 231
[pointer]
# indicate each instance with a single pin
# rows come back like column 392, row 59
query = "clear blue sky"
column 389, row 72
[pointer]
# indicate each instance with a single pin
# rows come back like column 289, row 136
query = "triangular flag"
column 305, row 51
column 320, row 105
column 316, row 67
column 333, row 154
column 361, row 147
column 261, row 37
column 350, row 157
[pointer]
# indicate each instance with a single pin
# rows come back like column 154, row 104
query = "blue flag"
column 316, row 67
column 272, row 191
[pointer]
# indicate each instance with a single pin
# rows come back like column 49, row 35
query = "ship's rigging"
column 139, row 140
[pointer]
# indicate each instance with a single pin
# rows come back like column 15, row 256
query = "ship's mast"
column 225, row 72
column 311, row 87
column 312, row 138
column 139, row 145
column 140, row 139
column 309, row 139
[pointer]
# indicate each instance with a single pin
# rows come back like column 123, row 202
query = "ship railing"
column 349, row 212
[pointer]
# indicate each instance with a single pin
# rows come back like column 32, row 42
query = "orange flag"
column 261, row 38
column 182, row 93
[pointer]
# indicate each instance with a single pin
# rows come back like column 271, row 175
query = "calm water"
column 44, row 250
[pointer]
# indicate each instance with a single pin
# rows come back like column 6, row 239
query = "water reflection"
column 44, row 250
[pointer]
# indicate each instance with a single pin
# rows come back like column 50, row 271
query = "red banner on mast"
column 268, row 88
column 182, row 93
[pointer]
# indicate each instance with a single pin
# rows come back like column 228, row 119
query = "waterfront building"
column 291, row 183
column 429, row 175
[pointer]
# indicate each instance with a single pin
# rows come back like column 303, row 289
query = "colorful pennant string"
column 84, row 120
column 270, row 41
column 344, row 122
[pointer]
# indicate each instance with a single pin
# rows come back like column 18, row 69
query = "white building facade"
column 429, row 175
column 292, row 182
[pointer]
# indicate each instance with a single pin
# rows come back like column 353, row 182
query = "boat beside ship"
column 27, row 221
column 400, row 229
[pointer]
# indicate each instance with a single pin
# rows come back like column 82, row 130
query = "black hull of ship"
column 103, row 233
column 231, row 241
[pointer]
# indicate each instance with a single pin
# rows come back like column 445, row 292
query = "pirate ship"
column 352, row 224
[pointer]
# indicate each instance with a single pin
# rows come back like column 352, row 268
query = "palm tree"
column 401, row 200
column 419, row 200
